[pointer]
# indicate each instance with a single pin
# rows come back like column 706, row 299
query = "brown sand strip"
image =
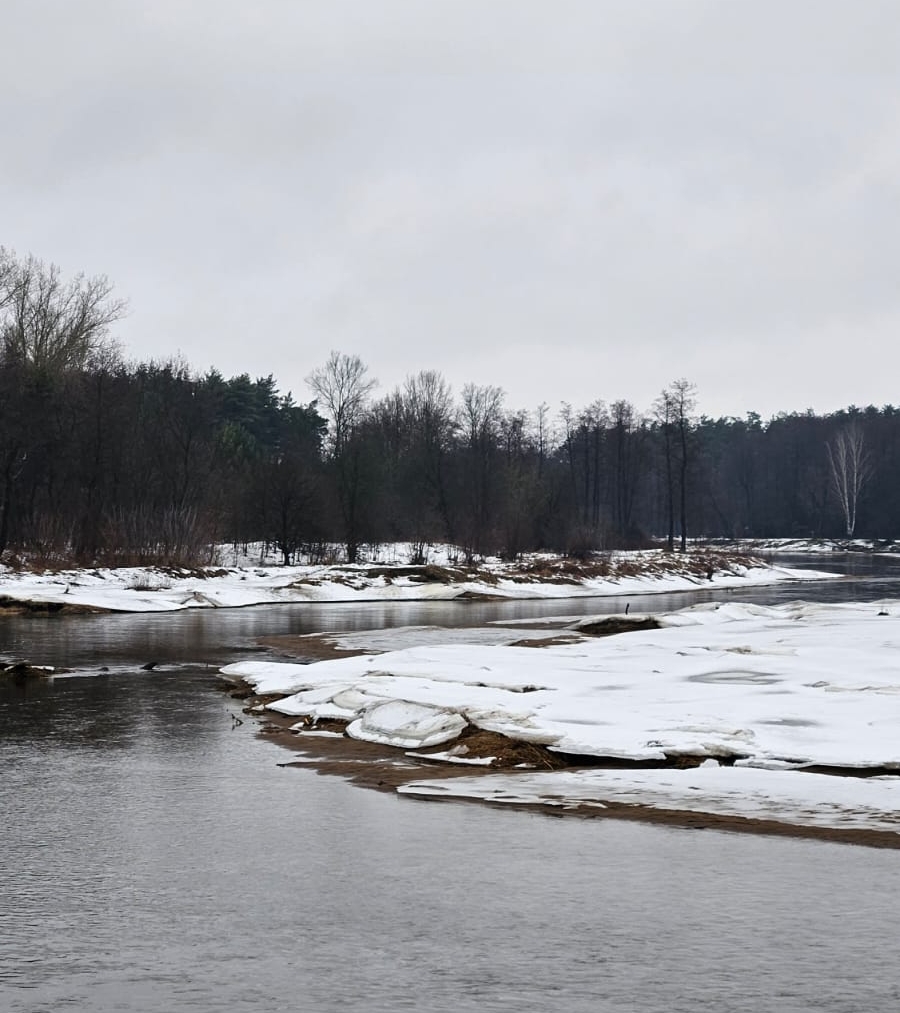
column 308, row 647
column 384, row 768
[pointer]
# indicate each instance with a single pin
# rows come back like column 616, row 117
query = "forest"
column 112, row 462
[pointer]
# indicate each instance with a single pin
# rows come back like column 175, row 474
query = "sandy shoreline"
column 766, row 719
column 386, row 769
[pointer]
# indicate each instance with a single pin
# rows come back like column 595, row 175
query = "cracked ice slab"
column 795, row 684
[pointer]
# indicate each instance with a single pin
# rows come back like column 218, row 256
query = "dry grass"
column 698, row 565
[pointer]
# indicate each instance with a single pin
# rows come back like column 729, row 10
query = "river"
column 153, row 857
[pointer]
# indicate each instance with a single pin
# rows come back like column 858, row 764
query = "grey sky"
column 573, row 201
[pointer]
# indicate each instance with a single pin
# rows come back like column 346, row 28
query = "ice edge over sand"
column 767, row 688
column 790, row 797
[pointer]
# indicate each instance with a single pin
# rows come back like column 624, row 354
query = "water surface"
column 213, row 637
column 155, row 858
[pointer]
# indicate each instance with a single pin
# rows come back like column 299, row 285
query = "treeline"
column 104, row 461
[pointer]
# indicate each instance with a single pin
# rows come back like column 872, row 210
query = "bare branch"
column 49, row 323
column 343, row 389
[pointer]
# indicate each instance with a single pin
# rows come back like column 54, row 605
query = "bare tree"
column 674, row 410
column 8, row 276
column 343, row 389
column 481, row 416
column 430, row 420
column 428, row 406
column 626, row 433
column 481, row 412
column 851, row 467
column 542, row 425
column 664, row 414
column 49, row 323
column 685, row 402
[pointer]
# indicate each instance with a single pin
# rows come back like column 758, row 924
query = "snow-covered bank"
column 796, row 684
column 150, row 590
column 770, row 689
column 805, row 546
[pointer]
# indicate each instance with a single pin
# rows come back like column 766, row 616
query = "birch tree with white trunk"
column 851, row 467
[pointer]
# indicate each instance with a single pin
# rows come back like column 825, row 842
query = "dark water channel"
column 152, row 858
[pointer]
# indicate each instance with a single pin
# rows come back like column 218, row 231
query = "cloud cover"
column 577, row 201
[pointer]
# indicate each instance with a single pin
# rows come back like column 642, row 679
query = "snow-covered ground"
column 137, row 589
column 811, row 546
column 772, row 689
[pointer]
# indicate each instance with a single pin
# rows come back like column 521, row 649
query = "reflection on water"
column 154, row 859
column 212, row 637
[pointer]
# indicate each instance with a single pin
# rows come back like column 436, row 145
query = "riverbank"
column 391, row 771
column 538, row 576
column 760, row 717
column 379, row 768
column 805, row 546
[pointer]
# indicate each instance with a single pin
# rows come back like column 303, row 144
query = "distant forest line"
column 108, row 461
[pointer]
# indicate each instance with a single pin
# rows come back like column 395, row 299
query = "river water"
column 153, row 857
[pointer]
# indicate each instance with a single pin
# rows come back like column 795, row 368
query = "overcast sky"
column 572, row 200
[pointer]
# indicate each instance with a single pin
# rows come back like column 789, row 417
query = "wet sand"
column 385, row 768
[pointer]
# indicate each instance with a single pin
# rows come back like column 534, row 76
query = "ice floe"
column 401, row 723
